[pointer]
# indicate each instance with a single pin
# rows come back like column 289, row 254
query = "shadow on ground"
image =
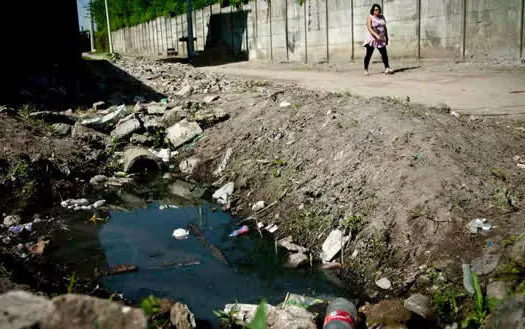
column 76, row 86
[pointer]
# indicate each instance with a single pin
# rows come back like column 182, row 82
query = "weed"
column 26, row 110
column 477, row 317
column 150, row 305
column 72, row 281
column 504, row 199
column 512, row 240
column 353, row 224
column 227, row 319
column 279, row 162
column 498, row 173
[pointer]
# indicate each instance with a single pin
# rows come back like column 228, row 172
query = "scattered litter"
column 384, row 283
column 302, row 301
column 94, row 219
column 164, row 154
column 416, row 156
column 454, row 113
column 99, row 204
column 72, row 203
column 19, row 228
column 467, row 278
column 285, row 104
column 478, row 223
column 181, row 234
column 260, row 225
column 38, row 248
column 258, row 206
column 241, row 231
column 168, row 206
column 223, row 194
column 272, row 228
column 164, row 101
column 122, row 268
column 521, row 165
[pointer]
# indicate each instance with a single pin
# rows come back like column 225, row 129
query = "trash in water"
column 164, row 101
column 122, row 268
column 478, row 223
column 302, row 301
column 241, row 231
column 272, row 228
column 168, row 206
column 181, row 234
column 94, row 219
column 19, row 228
column 38, row 248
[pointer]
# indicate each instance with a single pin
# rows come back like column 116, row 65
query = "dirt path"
column 468, row 88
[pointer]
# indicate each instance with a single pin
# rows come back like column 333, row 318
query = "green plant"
column 150, row 305
column 353, row 223
column 477, row 317
column 504, row 199
column 72, row 281
column 26, row 110
column 227, row 319
column 512, row 240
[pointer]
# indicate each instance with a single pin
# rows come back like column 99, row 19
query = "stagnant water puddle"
column 184, row 270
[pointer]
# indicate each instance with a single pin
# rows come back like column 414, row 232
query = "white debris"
column 285, row 104
column 258, row 206
column 272, row 228
column 223, row 194
column 99, row 204
column 478, row 223
column 224, row 162
column 333, row 244
column 521, row 165
column 164, row 154
column 384, row 283
column 168, row 206
column 181, row 234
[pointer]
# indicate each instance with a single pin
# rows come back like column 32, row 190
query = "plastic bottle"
column 341, row 314
column 243, row 230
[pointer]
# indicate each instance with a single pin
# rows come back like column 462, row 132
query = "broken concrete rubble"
column 139, row 159
column 183, row 132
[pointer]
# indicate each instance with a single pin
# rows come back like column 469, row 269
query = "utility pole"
column 109, row 29
column 91, row 27
column 189, row 20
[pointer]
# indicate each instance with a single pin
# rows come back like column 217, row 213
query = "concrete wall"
column 334, row 30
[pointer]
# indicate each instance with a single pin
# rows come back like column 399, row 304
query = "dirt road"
column 479, row 89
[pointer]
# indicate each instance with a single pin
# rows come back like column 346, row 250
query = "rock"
column 157, row 109
column 296, row 260
column 181, row 317
column 22, row 310
column 125, row 128
column 332, row 245
column 420, row 305
column 285, row 104
column 139, row 159
column 210, row 99
column 222, row 195
column 517, row 253
column 187, row 166
column 12, row 220
column 452, row 326
column 109, row 119
column 288, row 244
column 224, row 162
column 510, row 314
column 52, row 117
column 185, row 91
column 171, row 117
column 187, row 190
column 153, row 124
column 485, row 264
column 290, row 317
column 244, row 312
column 138, row 139
column 181, row 234
column 74, row 202
column 89, row 134
column 498, row 290
column 98, row 179
column 99, row 204
column 99, row 106
column 387, row 313
column 60, row 129
column 220, row 114
column 183, row 132
column 384, row 283
column 83, row 312
column 258, row 206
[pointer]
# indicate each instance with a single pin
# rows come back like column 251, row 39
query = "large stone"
column 12, row 220
column 109, row 119
column 181, row 317
column 23, row 310
column 89, row 134
column 142, row 140
column 185, row 91
column 187, row 190
column 517, row 253
column 223, row 195
column 85, row 312
column 157, row 109
column 171, row 117
column 290, row 317
column 333, row 244
column 52, row 117
column 153, row 124
column 510, row 314
column 210, row 99
column 498, row 290
column 384, row 283
column 420, row 305
column 288, row 244
column 183, row 132
column 99, row 106
column 386, row 313
column 125, row 128
column 139, row 159
column 485, row 264
column 60, row 129
column 296, row 260
column 209, row 116
column 188, row 165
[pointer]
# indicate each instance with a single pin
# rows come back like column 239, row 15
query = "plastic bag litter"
column 19, row 228
column 181, row 234
column 478, row 223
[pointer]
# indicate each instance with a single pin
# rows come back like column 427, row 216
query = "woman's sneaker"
column 388, row 71
column 367, row 74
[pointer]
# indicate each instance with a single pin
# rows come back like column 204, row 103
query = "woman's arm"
column 386, row 35
column 369, row 27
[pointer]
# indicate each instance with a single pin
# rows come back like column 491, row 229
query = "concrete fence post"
column 352, row 29
column 286, row 29
column 418, row 28
column 463, row 28
column 327, row 31
column 522, row 29
column 271, row 29
column 305, row 34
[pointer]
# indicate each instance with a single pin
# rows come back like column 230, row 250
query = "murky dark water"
column 143, row 236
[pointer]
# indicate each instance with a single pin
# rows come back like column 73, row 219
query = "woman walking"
column 376, row 37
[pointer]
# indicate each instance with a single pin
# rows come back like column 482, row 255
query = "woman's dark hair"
column 374, row 7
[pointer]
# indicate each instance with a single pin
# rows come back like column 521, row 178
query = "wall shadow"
column 81, row 84
column 227, row 32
